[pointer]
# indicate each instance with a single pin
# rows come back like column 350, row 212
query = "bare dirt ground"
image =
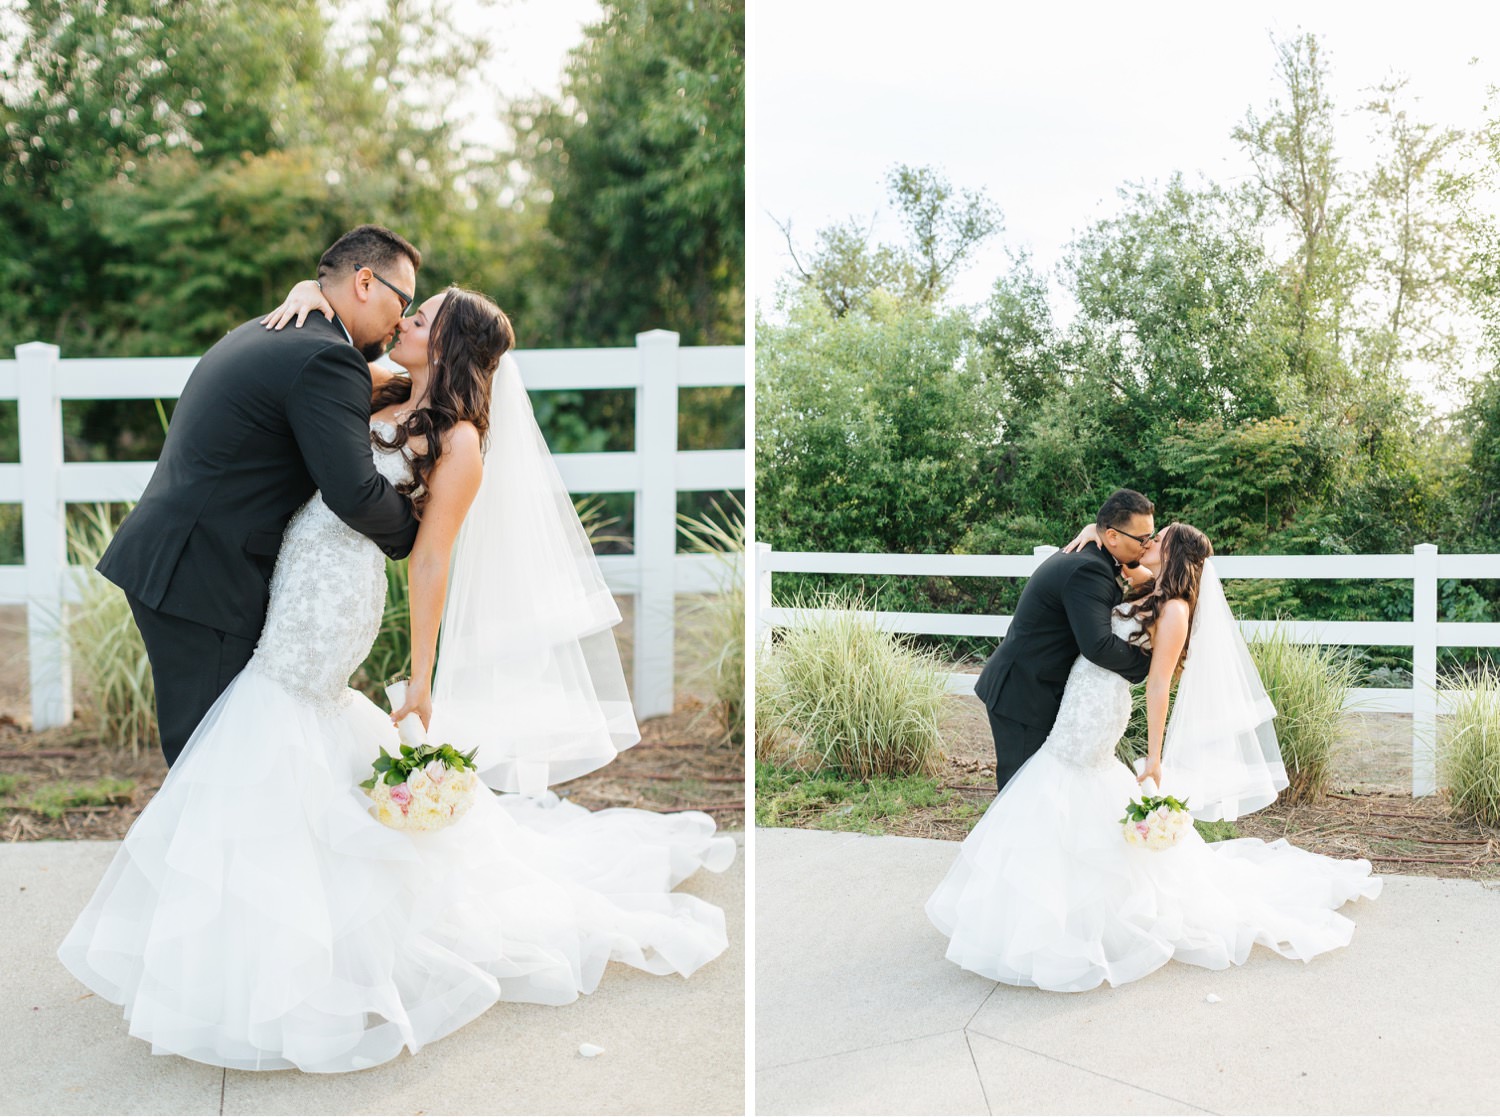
column 681, row 762
column 1369, row 811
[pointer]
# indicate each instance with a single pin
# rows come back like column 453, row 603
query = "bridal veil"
column 1220, row 751
column 527, row 667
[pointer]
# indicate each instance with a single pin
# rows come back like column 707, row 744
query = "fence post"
column 762, row 595
column 1424, row 694
column 656, row 522
column 43, row 534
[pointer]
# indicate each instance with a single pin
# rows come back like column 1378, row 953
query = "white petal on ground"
column 589, row 1050
column 1212, row 998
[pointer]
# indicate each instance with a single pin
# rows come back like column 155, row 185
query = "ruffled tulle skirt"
column 1046, row 892
column 256, row 916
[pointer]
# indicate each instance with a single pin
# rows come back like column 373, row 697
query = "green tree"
column 873, row 433
column 92, row 93
column 640, row 164
column 1298, row 177
column 1178, row 308
column 943, row 227
column 1416, row 237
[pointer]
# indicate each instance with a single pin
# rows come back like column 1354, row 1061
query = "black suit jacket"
column 1063, row 613
column 265, row 419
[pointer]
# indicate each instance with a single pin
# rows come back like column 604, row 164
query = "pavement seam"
column 1089, row 1070
column 985, row 1094
column 993, row 990
column 856, row 1050
column 223, row 1081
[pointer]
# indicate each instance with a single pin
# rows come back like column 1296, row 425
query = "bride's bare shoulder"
column 1177, row 607
column 462, row 439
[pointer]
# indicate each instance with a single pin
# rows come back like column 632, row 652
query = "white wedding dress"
column 256, row 916
column 1046, row 892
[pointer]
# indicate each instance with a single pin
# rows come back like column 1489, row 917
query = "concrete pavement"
column 857, row 1010
column 670, row 1046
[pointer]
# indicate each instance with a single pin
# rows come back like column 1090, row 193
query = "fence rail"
column 1424, row 633
column 39, row 379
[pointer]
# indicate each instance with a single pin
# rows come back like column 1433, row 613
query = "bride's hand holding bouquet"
column 425, row 787
column 413, row 698
column 1155, row 821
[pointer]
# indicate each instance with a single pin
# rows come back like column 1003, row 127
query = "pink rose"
column 1141, row 828
column 401, row 796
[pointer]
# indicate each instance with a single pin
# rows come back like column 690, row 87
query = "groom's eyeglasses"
column 1143, row 540
column 400, row 294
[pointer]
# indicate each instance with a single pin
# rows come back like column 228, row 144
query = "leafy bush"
column 1308, row 684
column 1468, row 751
column 859, row 701
column 719, row 640
column 106, row 645
column 872, row 434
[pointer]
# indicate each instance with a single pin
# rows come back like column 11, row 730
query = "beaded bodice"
column 1095, row 709
column 327, row 599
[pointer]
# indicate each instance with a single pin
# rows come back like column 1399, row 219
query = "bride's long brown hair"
column 1184, row 551
column 468, row 336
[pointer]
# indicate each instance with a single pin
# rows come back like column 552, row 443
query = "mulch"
column 1369, row 813
column 679, row 765
column 1396, row 833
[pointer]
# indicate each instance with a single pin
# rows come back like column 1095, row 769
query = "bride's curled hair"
column 468, row 336
column 1184, row 550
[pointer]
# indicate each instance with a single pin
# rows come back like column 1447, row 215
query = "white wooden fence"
column 655, row 471
column 1424, row 633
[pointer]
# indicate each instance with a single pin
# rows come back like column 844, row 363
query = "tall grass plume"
column 105, row 644
column 718, row 637
column 853, row 698
column 1308, row 684
column 1468, row 753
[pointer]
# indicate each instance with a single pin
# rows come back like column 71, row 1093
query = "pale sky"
column 531, row 41
column 1051, row 108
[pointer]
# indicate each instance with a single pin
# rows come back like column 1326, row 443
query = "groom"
column 1063, row 613
column 265, row 419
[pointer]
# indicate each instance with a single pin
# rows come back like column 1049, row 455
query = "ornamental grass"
column 1468, row 753
column 1308, row 683
column 717, row 638
column 849, row 697
column 106, row 647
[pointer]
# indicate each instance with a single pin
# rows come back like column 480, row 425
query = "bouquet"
column 1155, row 821
column 426, row 787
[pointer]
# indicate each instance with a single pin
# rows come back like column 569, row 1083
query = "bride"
column 1046, row 892
column 256, row 916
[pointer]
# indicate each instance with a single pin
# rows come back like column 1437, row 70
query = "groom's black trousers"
column 1014, row 745
column 191, row 665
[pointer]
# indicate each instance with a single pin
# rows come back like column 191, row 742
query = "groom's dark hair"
column 368, row 246
column 1121, row 505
